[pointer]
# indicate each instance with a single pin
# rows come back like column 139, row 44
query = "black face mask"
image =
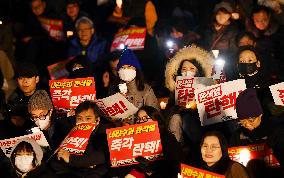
column 247, row 68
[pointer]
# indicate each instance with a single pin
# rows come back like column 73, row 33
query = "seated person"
column 92, row 163
column 214, row 153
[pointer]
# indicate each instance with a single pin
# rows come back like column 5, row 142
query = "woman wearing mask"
column 214, row 152
column 250, row 67
column 26, row 160
column 184, row 122
column 132, row 84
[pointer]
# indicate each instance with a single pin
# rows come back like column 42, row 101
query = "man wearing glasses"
column 256, row 126
column 42, row 114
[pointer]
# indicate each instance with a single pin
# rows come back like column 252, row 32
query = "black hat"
column 26, row 70
column 248, row 105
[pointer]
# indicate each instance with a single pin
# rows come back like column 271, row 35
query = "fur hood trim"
column 191, row 52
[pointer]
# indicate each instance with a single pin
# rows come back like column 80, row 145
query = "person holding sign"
column 42, row 114
column 92, row 163
column 172, row 152
column 27, row 161
column 256, row 127
column 214, row 153
column 184, row 122
column 132, row 84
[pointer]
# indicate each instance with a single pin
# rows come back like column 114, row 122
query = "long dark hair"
column 200, row 71
column 139, row 80
column 224, row 163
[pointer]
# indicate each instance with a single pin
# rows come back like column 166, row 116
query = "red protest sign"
column 133, row 38
column 116, row 106
column 217, row 103
column 185, row 87
column 54, row 27
column 69, row 93
column 127, row 143
column 192, row 172
column 78, row 138
column 243, row 154
column 58, row 71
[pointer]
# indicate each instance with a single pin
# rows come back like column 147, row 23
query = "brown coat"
column 236, row 170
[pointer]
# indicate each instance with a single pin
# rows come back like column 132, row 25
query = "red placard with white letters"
column 243, row 154
column 54, row 27
column 277, row 92
column 78, row 138
column 192, row 172
column 69, row 93
column 128, row 142
column 133, row 38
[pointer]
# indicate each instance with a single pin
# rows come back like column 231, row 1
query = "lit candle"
column 163, row 105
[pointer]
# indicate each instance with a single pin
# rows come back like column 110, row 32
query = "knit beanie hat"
column 248, row 105
column 40, row 100
column 225, row 5
column 129, row 58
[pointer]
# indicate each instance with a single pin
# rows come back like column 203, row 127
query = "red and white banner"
column 78, row 138
column 127, row 143
column 217, row 103
column 185, row 87
column 243, row 154
column 133, row 38
column 7, row 144
column 54, row 27
column 192, row 172
column 69, row 93
column 116, row 106
column 277, row 92
column 58, row 71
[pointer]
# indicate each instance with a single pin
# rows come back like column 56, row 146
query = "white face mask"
column 24, row 162
column 43, row 124
column 188, row 74
column 127, row 75
column 122, row 88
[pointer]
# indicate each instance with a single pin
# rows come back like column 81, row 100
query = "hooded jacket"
column 204, row 58
column 40, row 170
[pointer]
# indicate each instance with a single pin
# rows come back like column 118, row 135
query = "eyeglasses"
column 142, row 119
column 43, row 117
column 212, row 147
column 247, row 121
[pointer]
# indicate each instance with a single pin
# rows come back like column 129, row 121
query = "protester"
column 269, row 34
column 251, row 68
column 27, row 160
column 93, row 163
column 132, row 83
column 73, row 13
column 256, row 127
column 17, row 105
column 88, row 44
column 172, row 152
column 184, row 122
column 43, row 115
column 214, row 152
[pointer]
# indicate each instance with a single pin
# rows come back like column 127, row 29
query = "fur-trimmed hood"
column 37, row 149
column 203, row 57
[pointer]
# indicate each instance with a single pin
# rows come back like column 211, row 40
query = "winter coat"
column 229, row 168
column 268, row 132
column 40, row 170
column 92, row 163
column 138, row 98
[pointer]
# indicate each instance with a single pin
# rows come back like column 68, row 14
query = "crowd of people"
column 181, row 38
